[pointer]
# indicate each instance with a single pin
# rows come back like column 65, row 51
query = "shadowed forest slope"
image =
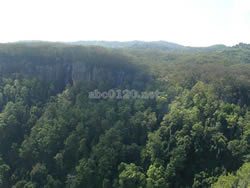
column 195, row 133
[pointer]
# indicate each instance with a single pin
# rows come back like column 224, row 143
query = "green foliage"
column 4, row 172
column 241, row 179
column 53, row 135
column 131, row 176
column 156, row 176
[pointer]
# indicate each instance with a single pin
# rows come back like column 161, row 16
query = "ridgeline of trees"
column 195, row 134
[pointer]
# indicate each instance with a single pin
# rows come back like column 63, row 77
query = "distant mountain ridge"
column 131, row 44
column 240, row 51
column 136, row 44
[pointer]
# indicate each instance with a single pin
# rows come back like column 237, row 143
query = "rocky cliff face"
column 62, row 67
column 102, row 74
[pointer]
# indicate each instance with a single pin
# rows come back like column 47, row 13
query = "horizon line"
column 118, row 41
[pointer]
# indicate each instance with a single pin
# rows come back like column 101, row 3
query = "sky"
column 187, row 22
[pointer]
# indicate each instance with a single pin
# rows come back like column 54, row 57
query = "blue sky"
column 188, row 22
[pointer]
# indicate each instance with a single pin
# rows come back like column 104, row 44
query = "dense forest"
column 195, row 133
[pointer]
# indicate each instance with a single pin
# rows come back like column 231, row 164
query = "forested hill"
column 195, row 133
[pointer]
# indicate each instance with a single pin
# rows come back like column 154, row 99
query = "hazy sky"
column 188, row 22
